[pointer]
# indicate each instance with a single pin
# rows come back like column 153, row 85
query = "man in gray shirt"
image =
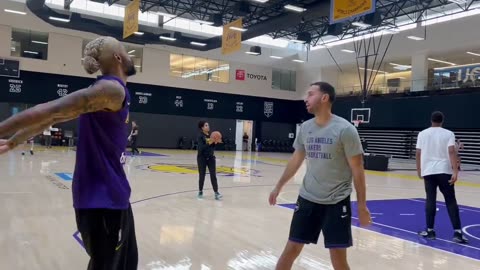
column 334, row 154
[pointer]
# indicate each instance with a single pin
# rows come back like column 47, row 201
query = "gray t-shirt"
column 328, row 179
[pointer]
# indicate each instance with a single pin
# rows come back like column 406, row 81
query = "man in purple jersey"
column 101, row 192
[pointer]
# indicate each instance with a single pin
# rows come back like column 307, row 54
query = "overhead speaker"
column 241, row 8
column 304, row 36
column 335, row 29
column 256, row 50
column 217, row 19
column 374, row 19
column 178, row 35
column 66, row 4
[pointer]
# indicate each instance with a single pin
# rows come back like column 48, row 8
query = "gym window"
column 29, row 44
column 199, row 68
column 284, row 79
column 136, row 53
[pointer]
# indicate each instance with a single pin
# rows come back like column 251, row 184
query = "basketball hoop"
column 357, row 122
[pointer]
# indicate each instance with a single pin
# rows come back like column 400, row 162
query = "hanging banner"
column 232, row 39
column 130, row 21
column 342, row 10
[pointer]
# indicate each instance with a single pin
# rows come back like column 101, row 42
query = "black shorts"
column 335, row 221
column 109, row 238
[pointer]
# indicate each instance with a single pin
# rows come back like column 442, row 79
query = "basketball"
column 216, row 136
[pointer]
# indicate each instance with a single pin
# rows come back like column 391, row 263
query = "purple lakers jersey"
column 99, row 180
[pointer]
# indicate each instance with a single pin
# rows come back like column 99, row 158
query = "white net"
column 356, row 122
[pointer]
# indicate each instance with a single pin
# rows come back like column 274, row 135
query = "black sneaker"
column 428, row 234
column 459, row 238
column 31, row 152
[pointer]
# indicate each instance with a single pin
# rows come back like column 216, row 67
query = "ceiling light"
column 298, row 41
column 348, row 51
column 443, row 62
column 59, row 19
column 261, row 1
column 138, row 66
column 139, row 33
column 30, row 52
column 15, row 12
column 361, row 24
column 252, row 53
column 203, row 22
column 39, row 42
column 164, row 14
column 298, row 61
column 131, row 55
column 198, row 43
column 415, row 38
column 132, row 51
column 276, row 57
column 379, row 71
column 401, row 66
column 392, row 30
column 460, row 2
column 476, row 54
column 167, row 38
column 238, row 29
column 295, row 8
column 457, row 66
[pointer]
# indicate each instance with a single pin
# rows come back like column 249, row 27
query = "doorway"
column 243, row 135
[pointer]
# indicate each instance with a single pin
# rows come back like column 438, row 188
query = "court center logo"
column 268, row 108
column 193, row 169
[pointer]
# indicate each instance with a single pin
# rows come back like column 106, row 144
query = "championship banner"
column 232, row 39
column 130, row 21
column 342, row 10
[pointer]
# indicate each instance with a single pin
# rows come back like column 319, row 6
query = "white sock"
column 458, row 231
column 429, row 230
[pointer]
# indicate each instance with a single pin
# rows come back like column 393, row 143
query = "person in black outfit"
column 206, row 158
column 133, row 138
column 245, row 141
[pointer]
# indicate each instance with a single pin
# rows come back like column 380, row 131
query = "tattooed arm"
column 103, row 96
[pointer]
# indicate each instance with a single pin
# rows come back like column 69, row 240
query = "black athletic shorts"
column 309, row 219
column 109, row 238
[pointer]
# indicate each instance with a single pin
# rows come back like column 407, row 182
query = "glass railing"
column 407, row 86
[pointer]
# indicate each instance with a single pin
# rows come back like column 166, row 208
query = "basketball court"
column 175, row 230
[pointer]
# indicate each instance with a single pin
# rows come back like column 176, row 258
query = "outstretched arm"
column 104, row 95
column 23, row 135
column 292, row 167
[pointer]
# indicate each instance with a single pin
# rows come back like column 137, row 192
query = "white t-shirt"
column 48, row 131
column 433, row 143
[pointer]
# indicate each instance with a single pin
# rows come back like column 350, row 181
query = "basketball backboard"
column 360, row 114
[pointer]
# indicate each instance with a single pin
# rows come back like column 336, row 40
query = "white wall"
column 305, row 77
column 65, row 53
column 5, row 36
column 349, row 81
